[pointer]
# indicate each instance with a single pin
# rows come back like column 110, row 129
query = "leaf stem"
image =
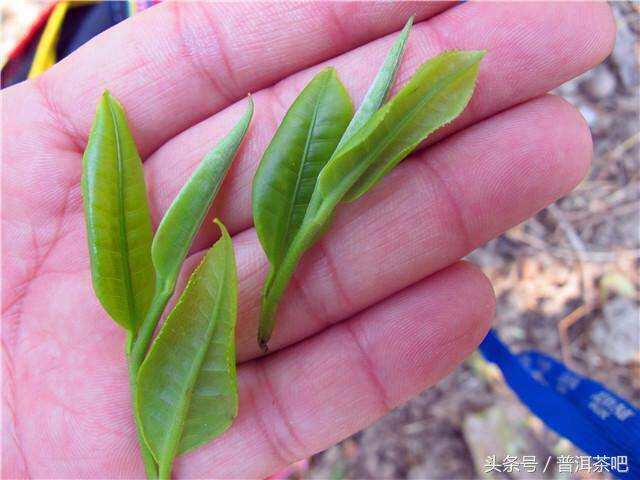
column 145, row 332
column 150, row 466
column 165, row 468
column 136, row 351
column 279, row 277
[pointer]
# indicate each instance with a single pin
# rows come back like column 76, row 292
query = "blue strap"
column 593, row 418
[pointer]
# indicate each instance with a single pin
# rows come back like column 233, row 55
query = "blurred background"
column 567, row 283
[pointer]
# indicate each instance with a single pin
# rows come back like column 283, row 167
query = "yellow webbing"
column 45, row 55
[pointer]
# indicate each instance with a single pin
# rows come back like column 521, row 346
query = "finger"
column 313, row 394
column 531, row 49
column 177, row 63
column 432, row 210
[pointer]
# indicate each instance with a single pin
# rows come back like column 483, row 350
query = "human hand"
column 378, row 311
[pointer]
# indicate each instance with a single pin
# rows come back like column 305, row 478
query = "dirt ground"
column 567, row 284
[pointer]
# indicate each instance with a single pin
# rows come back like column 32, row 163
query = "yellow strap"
column 45, row 55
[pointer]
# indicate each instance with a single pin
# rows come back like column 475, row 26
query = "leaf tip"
column 409, row 23
column 249, row 104
column 478, row 54
column 105, row 99
column 108, row 97
column 223, row 229
column 108, row 100
column 329, row 71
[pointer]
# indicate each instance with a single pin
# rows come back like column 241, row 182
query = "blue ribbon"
column 582, row 410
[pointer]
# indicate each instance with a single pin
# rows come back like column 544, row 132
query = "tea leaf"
column 301, row 146
column 117, row 217
column 180, row 224
column 185, row 215
column 187, row 392
column 372, row 101
column 379, row 89
column 435, row 95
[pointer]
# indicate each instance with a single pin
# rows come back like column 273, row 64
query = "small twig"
column 579, row 248
column 619, row 150
column 592, row 256
column 595, row 215
column 563, row 329
column 572, row 236
column 585, row 277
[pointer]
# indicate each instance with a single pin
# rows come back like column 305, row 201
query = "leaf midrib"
column 312, row 125
column 177, row 427
column 122, row 218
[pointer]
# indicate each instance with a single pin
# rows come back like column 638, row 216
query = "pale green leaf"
column 379, row 89
column 117, row 217
column 187, row 392
column 435, row 95
column 302, row 145
column 188, row 210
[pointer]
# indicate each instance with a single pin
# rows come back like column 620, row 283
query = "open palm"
column 378, row 310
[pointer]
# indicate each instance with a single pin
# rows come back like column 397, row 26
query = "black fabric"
column 80, row 25
column 17, row 69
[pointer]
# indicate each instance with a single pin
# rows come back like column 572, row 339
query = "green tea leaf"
column 187, row 392
column 117, row 217
column 187, row 212
column 372, row 101
column 379, row 89
column 301, row 146
column 435, row 95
